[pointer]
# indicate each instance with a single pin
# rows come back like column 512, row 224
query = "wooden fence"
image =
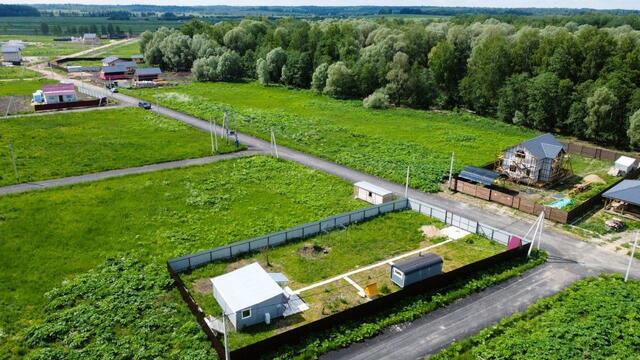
column 70, row 105
column 529, row 207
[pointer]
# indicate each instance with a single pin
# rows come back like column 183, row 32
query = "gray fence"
column 189, row 262
column 461, row 222
column 193, row 261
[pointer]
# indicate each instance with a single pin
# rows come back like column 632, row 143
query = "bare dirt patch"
column 313, row 251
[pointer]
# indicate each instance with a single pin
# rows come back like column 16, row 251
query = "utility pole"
column 215, row 135
column 633, row 252
column 213, row 147
column 274, row 145
column 406, row 185
column 226, row 345
column 8, row 106
column 451, row 169
column 537, row 231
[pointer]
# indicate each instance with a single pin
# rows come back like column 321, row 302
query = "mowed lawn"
column 122, row 50
column 381, row 142
column 52, row 235
column 43, row 45
column 24, row 87
column 17, row 72
column 65, row 144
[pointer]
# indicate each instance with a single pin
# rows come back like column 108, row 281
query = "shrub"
column 378, row 100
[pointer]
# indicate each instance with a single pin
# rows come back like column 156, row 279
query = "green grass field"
column 595, row 318
column 58, row 145
column 121, row 50
column 43, row 45
column 22, row 87
column 380, row 142
column 17, row 72
column 322, row 257
column 55, row 234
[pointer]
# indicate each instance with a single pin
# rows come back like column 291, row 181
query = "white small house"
column 58, row 93
column 11, row 54
column 110, row 60
column 371, row 193
column 90, row 39
column 625, row 164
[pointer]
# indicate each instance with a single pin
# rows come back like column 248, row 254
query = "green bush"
column 595, row 318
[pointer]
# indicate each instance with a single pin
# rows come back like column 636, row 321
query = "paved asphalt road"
column 44, row 184
column 571, row 259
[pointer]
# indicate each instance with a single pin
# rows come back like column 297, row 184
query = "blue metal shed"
column 416, row 269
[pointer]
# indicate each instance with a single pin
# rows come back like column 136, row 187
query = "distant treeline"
column 332, row 11
column 18, row 10
column 574, row 79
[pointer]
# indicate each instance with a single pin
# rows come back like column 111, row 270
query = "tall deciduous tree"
column 600, row 118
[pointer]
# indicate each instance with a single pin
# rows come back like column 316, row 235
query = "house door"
column 60, row 98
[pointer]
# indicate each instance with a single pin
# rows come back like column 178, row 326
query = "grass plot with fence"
column 330, row 263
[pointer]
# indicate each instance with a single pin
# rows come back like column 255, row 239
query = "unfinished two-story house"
column 538, row 161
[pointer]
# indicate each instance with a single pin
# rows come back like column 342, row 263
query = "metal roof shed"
column 479, row 175
column 249, row 295
column 371, row 193
column 416, row 269
column 626, row 164
column 627, row 191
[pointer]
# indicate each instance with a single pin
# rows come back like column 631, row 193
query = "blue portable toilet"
column 416, row 269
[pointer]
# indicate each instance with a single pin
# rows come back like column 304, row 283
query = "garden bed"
column 315, row 259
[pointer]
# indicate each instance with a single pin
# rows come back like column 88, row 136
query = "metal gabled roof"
column 544, row 146
column 148, row 71
column 479, row 175
column 373, row 188
column 109, row 59
column 627, row 191
column 245, row 287
column 417, row 263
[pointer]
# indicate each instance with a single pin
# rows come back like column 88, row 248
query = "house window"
column 512, row 167
column 528, row 172
column 398, row 273
column 520, row 154
column 370, row 194
column 60, row 98
column 246, row 313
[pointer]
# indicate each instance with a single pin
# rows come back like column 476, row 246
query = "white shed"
column 11, row 54
column 626, row 164
column 371, row 193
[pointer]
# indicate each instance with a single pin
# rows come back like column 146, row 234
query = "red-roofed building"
column 59, row 93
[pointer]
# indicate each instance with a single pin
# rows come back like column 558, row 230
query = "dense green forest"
column 578, row 80
column 18, row 10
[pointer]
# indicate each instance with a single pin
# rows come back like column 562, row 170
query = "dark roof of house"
column 148, row 71
column 627, row 191
column 417, row 263
column 479, row 175
column 544, row 146
column 114, row 69
column 110, row 59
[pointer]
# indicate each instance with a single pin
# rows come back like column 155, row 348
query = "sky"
column 595, row 4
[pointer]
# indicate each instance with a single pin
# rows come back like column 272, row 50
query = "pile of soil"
column 315, row 250
column 430, row 231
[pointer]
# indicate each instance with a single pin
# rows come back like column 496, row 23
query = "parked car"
column 114, row 90
column 145, row 105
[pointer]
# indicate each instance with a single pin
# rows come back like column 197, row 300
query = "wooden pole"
column 13, row 160
column 451, row 169
column 406, row 185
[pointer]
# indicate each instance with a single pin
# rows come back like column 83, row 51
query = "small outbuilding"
column 624, row 198
column 56, row 94
column 249, row 296
column 115, row 72
column 90, row 39
column 110, row 60
column 416, row 269
column 625, row 164
column 11, row 54
column 138, row 58
column 147, row 74
column 371, row 193
column 478, row 175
